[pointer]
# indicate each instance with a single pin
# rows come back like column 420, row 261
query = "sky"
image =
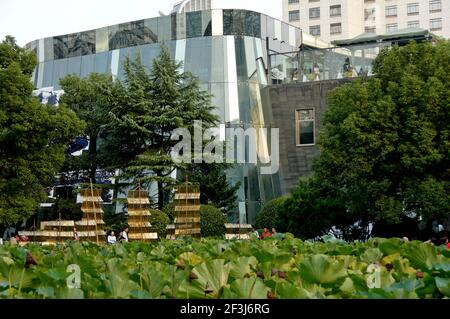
column 29, row 20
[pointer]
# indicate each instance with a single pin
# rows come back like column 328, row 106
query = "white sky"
column 29, row 20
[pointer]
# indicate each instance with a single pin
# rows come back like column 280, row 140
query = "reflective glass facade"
column 226, row 49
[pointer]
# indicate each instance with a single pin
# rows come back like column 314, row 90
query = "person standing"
column 124, row 235
column 112, row 238
column 76, row 237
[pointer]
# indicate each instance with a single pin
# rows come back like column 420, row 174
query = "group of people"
column 123, row 237
column 266, row 233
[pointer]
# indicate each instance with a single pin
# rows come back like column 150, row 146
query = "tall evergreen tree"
column 154, row 105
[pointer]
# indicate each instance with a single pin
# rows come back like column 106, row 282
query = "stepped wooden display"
column 187, row 212
column 91, row 227
column 238, row 231
column 140, row 228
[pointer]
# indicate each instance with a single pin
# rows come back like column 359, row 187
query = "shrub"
column 159, row 221
column 212, row 221
column 268, row 217
column 169, row 210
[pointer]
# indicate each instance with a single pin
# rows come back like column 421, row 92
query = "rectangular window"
column 391, row 11
column 369, row 13
column 335, row 11
column 436, row 24
column 336, row 28
column 413, row 24
column 293, row 1
column 294, row 15
column 314, row 30
column 305, row 127
column 413, row 8
column 435, row 6
column 391, row 27
column 370, row 29
column 314, row 13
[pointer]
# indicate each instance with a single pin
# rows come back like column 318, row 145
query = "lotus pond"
column 213, row 268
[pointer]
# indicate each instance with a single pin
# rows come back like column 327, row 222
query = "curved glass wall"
column 226, row 49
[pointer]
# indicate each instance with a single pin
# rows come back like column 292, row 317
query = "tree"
column 153, row 106
column 270, row 213
column 159, row 221
column 211, row 178
column 212, row 221
column 33, row 137
column 385, row 140
column 92, row 99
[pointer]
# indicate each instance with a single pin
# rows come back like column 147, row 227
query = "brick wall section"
column 285, row 99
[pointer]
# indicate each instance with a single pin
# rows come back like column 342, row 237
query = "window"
column 370, row 29
column 413, row 24
column 305, row 126
column 293, row 1
column 413, row 8
column 391, row 11
column 436, row 24
column 335, row 11
column 335, row 28
column 391, row 27
column 435, row 5
column 294, row 15
column 314, row 13
column 314, row 30
column 369, row 13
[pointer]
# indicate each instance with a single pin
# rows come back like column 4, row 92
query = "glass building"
column 228, row 50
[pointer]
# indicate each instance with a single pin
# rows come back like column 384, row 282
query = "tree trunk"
column 160, row 194
column 93, row 158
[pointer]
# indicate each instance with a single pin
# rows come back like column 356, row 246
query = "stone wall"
column 284, row 100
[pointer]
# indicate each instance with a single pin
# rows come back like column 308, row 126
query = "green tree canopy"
column 33, row 137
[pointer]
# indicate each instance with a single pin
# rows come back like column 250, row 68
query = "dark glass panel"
column 88, row 42
column 307, row 133
column 60, row 48
column 194, row 24
column 252, row 24
column 151, row 30
column 126, row 35
column 241, row 61
column 228, row 22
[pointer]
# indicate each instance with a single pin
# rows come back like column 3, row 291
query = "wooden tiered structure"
column 139, row 214
column 238, row 231
column 91, row 227
column 187, row 212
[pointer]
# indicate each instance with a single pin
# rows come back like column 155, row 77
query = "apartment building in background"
column 345, row 19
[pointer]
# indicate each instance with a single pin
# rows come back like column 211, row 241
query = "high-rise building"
column 344, row 19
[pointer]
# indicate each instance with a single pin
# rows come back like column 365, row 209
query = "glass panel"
column 285, row 33
column 101, row 62
column 47, row 74
column 88, row 42
column 252, row 24
column 217, row 22
column 263, row 26
column 74, row 66
column 164, row 28
column 218, row 60
column 241, row 62
column 306, row 115
column 198, row 58
column 101, row 40
column 60, row 47
column 87, row 65
column 194, row 24
column 151, row 30
column 59, row 71
column 270, row 27
column 227, row 22
column 206, row 23
column 306, row 133
column 48, row 49
column 126, row 35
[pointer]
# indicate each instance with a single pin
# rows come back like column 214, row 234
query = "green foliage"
column 212, row 177
column 169, row 210
column 213, row 268
column 92, row 99
column 159, row 221
column 152, row 106
column 212, row 221
column 269, row 215
column 33, row 137
column 384, row 145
